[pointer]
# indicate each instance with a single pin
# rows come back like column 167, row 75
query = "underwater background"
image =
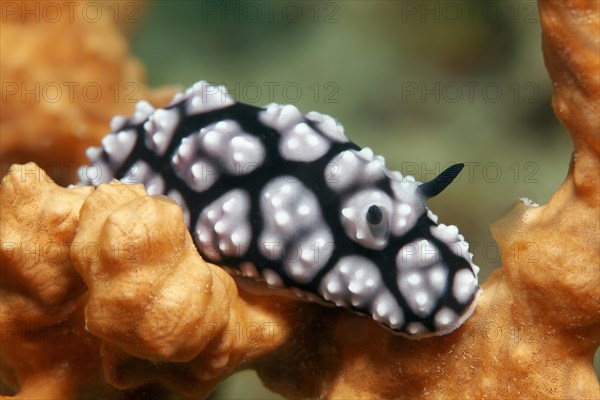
column 423, row 83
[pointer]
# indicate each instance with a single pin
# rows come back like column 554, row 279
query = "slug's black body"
column 287, row 198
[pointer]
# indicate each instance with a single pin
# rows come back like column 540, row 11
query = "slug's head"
column 410, row 274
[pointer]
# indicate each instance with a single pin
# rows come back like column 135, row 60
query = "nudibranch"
column 283, row 197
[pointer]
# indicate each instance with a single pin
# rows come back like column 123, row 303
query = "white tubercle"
column 143, row 109
column 203, row 97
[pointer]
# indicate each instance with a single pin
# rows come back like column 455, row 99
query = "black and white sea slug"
column 284, row 197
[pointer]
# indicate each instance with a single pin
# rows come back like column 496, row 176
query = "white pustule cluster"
column 202, row 97
column 223, row 228
column 118, row 146
column 355, row 281
column 220, row 148
column 455, row 241
column 140, row 172
column 408, row 205
column 160, row 128
column 423, row 278
column 332, row 129
column 299, row 141
column 287, row 208
column 352, row 167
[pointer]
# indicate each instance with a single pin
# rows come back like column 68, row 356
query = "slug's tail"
column 439, row 183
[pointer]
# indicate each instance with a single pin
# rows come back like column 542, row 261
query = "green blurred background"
column 424, row 84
